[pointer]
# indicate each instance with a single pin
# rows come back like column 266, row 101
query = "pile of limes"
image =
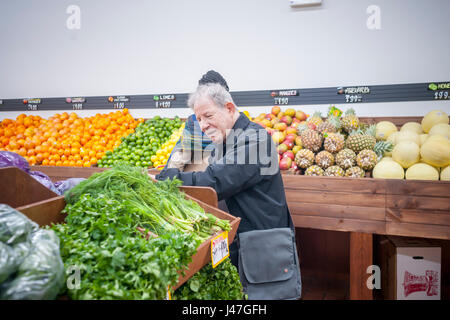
column 138, row 148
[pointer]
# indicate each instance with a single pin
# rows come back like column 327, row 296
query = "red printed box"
column 410, row 268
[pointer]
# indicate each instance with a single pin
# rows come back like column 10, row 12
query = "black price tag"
column 441, row 95
column 119, row 101
column 353, row 98
column 162, row 104
column 77, row 102
column 281, row 101
column 32, row 104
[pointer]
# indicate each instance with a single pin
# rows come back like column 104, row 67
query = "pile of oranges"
column 66, row 139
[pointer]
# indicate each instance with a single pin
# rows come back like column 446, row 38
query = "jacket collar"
column 242, row 122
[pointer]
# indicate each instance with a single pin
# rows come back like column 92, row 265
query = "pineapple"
column 366, row 159
column 346, row 158
column 355, row 172
column 334, row 171
column 311, row 139
column 324, row 159
column 304, row 158
column 334, row 142
column 314, row 171
column 359, row 140
column 316, row 118
column 381, row 147
column 350, row 121
column 332, row 124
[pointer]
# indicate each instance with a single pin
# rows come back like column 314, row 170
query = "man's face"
column 214, row 120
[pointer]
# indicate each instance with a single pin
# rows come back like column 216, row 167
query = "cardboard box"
column 410, row 268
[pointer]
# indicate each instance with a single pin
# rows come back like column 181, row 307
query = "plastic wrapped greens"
column 15, row 227
column 30, row 263
column 41, row 275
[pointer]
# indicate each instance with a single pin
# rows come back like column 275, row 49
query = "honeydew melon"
column 436, row 151
column 423, row 137
column 432, row 118
column 412, row 126
column 393, row 137
column 406, row 153
column 440, row 128
column 445, row 173
column 384, row 129
column 388, row 169
column 408, row 136
column 421, row 171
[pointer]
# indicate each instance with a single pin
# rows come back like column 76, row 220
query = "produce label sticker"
column 219, row 249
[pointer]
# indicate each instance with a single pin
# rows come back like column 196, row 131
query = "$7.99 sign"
column 219, row 249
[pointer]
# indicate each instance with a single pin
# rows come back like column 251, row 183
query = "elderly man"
column 244, row 166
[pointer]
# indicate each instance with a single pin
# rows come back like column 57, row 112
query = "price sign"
column 119, row 101
column 281, row 101
column 219, row 249
column 162, row 104
column 32, row 104
column 77, row 103
column 119, row 105
column 441, row 95
column 1, row 101
column 352, row 98
column 163, row 100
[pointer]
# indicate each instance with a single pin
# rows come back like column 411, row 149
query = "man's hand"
column 167, row 174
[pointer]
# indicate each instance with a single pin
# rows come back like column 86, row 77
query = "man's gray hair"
column 218, row 94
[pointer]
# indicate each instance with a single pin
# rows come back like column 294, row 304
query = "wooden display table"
column 363, row 207
column 369, row 206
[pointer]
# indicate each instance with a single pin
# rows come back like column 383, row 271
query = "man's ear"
column 230, row 107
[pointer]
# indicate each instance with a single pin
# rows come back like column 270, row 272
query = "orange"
column 45, row 162
column 86, row 164
column 22, row 152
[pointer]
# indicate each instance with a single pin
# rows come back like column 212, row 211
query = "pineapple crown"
column 302, row 127
column 371, row 130
column 317, row 114
column 335, row 121
column 350, row 111
column 383, row 146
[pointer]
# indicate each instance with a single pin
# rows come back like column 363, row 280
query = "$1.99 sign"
column 219, row 249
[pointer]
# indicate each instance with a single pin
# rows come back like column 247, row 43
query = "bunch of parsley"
column 220, row 283
column 115, row 261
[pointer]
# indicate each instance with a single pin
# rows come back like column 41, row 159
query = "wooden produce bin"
column 366, row 206
column 27, row 195
column 46, row 209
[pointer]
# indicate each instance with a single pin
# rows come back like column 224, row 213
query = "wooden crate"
column 368, row 205
column 44, row 207
column 18, row 189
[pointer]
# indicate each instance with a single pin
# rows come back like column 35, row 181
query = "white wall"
column 164, row 46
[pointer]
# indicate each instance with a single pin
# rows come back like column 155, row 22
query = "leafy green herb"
column 160, row 205
column 115, row 261
column 220, row 283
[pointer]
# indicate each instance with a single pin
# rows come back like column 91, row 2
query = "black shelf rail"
column 429, row 91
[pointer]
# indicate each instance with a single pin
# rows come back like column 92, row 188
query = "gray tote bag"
column 268, row 264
